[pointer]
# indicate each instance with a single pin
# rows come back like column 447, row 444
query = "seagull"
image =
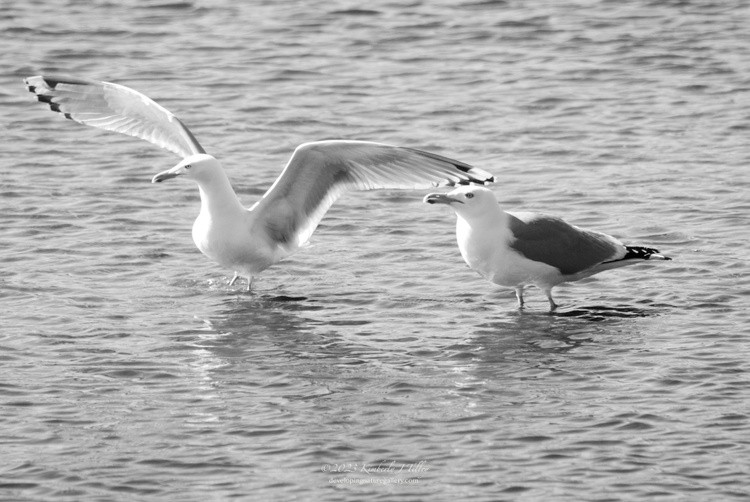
column 518, row 249
column 249, row 241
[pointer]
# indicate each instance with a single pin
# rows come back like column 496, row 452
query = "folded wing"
column 115, row 108
column 562, row 245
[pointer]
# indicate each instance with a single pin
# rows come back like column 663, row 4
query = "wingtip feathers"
column 644, row 253
column 41, row 86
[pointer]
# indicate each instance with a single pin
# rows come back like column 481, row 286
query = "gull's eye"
column 469, row 195
column 188, row 166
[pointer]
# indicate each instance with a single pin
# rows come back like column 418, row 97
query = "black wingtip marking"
column 476, row 181
column 68, row 116
column 44, row 98
column 641, row 253
column 54, row 107
column 31, row 88
column 480, row 177
column 53, row 82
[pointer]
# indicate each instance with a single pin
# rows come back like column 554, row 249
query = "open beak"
column 169, row 174
column 440, row 198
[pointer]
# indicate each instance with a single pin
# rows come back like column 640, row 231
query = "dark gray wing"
column 115, row 108
column 562, row 245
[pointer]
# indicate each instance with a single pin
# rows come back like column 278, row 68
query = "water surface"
column 373, row 365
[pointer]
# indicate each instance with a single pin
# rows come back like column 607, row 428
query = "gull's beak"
column 440, row 198
column 169, row 174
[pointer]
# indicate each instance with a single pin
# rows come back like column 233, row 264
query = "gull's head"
column 196, row 167
column 466, row 200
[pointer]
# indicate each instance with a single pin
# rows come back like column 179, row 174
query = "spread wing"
column 115, row 108
column 318, row 173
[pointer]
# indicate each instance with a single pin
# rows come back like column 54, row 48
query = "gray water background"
column 374, row 365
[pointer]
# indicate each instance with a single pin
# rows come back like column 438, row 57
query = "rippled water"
column 374, row 364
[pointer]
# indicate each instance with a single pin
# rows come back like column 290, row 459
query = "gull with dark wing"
column 517, row 249
column 250, row 240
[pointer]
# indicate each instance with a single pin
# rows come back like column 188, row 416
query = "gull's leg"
column 552, row 304
column 234, row 279
column 519, row 295
column 249, row 283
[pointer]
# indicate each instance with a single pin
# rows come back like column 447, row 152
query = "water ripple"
column 131, row 370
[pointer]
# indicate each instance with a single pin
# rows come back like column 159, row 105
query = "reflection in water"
column 509, row 352
column 604, row 312
column 304, row 338
column 299, row 332
column 253, row 324
column 252, row 336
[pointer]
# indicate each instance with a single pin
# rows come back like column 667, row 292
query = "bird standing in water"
column 518, row 249
column 249, row 241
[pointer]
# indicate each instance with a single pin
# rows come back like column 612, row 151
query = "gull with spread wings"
column 250, row 240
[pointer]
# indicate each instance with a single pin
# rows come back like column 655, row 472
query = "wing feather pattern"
column 318, row 173
column 115, row 108
column 557, row 243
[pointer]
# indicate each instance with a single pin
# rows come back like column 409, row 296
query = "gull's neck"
column 488, row 218
column 483, row 238
column 217, row 195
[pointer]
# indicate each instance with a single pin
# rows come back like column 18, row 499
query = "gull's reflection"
column 252, row 338
column 518, row 355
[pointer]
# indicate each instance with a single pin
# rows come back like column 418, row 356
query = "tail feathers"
column 643, row 253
